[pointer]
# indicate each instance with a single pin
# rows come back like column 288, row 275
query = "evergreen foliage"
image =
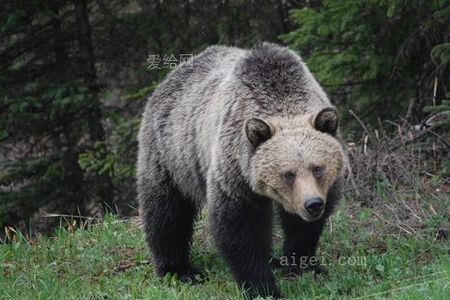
column 75, row 75
column 382, row 59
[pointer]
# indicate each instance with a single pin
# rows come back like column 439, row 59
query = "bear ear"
column 258, row 131
column 326, row 120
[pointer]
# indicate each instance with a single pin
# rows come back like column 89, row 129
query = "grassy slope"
column 109, row 260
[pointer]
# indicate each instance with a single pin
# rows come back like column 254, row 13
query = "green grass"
column 109, row 261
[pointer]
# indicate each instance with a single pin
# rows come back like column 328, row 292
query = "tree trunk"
column 77, row 192
column 89, row 75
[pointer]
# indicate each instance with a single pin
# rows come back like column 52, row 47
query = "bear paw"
column 191, row 276
column 254, row 289
column 185, row 274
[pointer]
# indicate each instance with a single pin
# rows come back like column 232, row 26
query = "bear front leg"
column 300, row 242
column 242, row 231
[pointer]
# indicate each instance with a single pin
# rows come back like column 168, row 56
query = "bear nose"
column 314, row 205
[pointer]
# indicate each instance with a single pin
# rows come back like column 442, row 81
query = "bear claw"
column 192, row 276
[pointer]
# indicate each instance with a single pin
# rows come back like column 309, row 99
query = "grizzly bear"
column 236, row 130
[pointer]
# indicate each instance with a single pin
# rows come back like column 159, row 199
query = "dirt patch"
column 123, row 266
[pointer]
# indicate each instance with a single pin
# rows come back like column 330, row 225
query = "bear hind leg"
column 168, row 219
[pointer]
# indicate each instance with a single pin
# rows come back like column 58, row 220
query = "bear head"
column 296, row 160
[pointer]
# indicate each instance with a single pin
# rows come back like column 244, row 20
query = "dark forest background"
column 75, row 75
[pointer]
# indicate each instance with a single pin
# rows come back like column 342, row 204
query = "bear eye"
column 288, row 177
column 317, row 172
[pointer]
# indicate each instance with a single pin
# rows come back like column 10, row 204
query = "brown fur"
column 312, row 148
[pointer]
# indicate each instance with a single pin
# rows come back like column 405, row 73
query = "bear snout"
column 314, row 206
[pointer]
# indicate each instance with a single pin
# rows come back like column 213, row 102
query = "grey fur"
column 193, row 144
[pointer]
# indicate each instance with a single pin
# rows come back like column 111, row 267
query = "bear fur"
column 235, row 131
